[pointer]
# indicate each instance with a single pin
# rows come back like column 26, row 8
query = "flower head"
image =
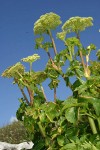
column 46, row 22
column 31, row 59
column 13, row 71
column 76, row 24
column 61, row 35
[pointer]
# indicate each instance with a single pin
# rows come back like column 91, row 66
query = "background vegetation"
column 14, row 133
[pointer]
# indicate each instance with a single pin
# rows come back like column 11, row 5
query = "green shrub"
column 14, row 133
column 73, row 123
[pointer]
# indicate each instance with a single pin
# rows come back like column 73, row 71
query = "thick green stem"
column 98, row 119
column 81, row 56
column 92, row 125
column 19, row 74
column 55, row 51
column 65, row 78
column 43, row 93
column 22, row 91
column 55, row 94
column 30, row 68
column 54, row 88
column 53, row 43
column 49, row 56
column 42, row 129
column 24, row 95
column 31, row 95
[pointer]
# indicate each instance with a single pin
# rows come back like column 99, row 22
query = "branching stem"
column 55, row 51
column 53, row 43
column 54, row 87
column 43, row 93
column 22, row 91
column 92, row 125
column 24, row 95
column 31, row 95
column 81, row 55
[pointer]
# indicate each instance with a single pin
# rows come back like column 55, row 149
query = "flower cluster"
column 39, row 40
column 73, row 41
column 76, row 24
column 31, row 59
column 61, row 35
column 13, row 71
column 49, row 21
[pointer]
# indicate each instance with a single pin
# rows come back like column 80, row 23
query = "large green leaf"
column 71, row 114
column 70, row 102
column 70, row 146
column 33, row 112
column 51, row 110
column 39, row 145
column 42, row 117
column 60, row 140
column 96, row 105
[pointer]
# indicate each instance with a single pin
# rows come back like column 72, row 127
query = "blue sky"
column 17, row 18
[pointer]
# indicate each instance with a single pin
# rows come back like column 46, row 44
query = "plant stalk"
column 98, row 119
column 92, row 125
column 55, row 94
column 54, row 87
column 43, row 93
column 30, row 68
column 41, row 129
column 55, row 51
column 24, row 95
column 81, row 55
column 31, row 93
column 53, row 43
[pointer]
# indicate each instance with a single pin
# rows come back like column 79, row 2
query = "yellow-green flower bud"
column 77, row 24
column 46, row 22
column 14, row 71
column 61, row 35
column 31, row 59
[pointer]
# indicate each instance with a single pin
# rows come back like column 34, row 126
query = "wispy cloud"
column 12, row 119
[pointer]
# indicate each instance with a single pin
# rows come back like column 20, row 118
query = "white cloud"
column 12, row 119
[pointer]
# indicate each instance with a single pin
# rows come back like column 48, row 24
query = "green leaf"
column 76, row 84
column 42, row 129
column 81, row 88
column 71, row 114
column 70, row 102
column 39, row 77
column 73, row 41
column 79, row 72
column 70, row 146
column 51, row 110
column 39, row 145
column 39, row 40
column 60, row 140
column 30, row 111
column 96, row 105
column 53, row 83
column 61, row 35
column 42, row 117
column 95, row 68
